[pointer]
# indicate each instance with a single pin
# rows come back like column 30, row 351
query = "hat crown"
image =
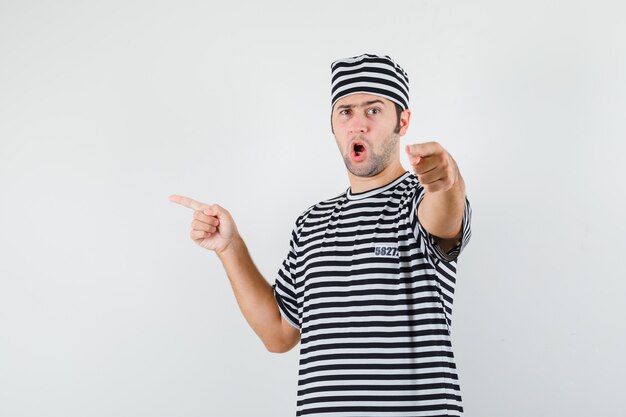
column 373, row 74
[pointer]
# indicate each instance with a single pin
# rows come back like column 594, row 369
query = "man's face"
column 364, row 126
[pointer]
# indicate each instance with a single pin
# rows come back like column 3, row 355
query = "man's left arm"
column 441, row 210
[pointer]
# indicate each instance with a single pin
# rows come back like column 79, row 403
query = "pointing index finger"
column 188, row 202
column 423, row 149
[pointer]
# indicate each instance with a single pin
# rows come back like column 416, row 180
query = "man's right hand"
column 213, row 227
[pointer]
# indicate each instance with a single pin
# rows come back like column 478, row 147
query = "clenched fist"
column 213, row 227
column 433, row 165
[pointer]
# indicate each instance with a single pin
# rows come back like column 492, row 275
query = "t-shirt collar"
column 365, row 194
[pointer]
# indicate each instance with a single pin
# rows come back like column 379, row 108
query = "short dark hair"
column 395, row 130
column 398, row 113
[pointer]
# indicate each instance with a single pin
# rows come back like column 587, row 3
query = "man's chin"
column 363, row 170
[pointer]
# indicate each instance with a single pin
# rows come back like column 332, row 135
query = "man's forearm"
column 441, row 213
column 253, row 293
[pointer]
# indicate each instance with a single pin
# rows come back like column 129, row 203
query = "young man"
column 368, row 283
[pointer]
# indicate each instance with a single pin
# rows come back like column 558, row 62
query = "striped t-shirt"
column 371, row 293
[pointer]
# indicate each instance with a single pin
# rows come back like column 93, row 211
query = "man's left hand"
column 433, row 165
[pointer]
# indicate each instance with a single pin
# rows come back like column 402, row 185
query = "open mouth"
column 358, row 151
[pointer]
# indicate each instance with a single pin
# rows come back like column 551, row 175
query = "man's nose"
column 358, row 124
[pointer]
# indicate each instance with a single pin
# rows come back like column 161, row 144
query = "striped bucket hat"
column 372, row 74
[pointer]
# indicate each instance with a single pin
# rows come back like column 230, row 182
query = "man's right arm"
column 213, row 228
column 256, row 299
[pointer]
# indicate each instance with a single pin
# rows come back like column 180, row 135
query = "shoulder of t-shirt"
column 319, row 206
column 409, row 188
column 412, row 179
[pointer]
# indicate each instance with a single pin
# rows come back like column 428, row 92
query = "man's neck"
column 362, row 184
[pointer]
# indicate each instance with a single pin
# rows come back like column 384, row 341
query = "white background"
column 107, row 308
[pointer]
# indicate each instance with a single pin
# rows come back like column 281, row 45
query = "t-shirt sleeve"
column 429, row 241
column 284, row 286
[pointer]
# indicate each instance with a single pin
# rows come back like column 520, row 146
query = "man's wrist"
column 231, row 249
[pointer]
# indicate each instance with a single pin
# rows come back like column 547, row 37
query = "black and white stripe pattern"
column 372, row 296
column 373, row 74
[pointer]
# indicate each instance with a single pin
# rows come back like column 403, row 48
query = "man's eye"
column 374, row 111
column 344, row 112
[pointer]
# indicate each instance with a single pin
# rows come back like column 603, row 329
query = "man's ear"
column 405, row 117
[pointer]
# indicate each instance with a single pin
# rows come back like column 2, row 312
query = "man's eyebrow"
column 365, row 103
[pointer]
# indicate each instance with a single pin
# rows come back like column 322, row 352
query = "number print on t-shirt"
column 385, row 251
